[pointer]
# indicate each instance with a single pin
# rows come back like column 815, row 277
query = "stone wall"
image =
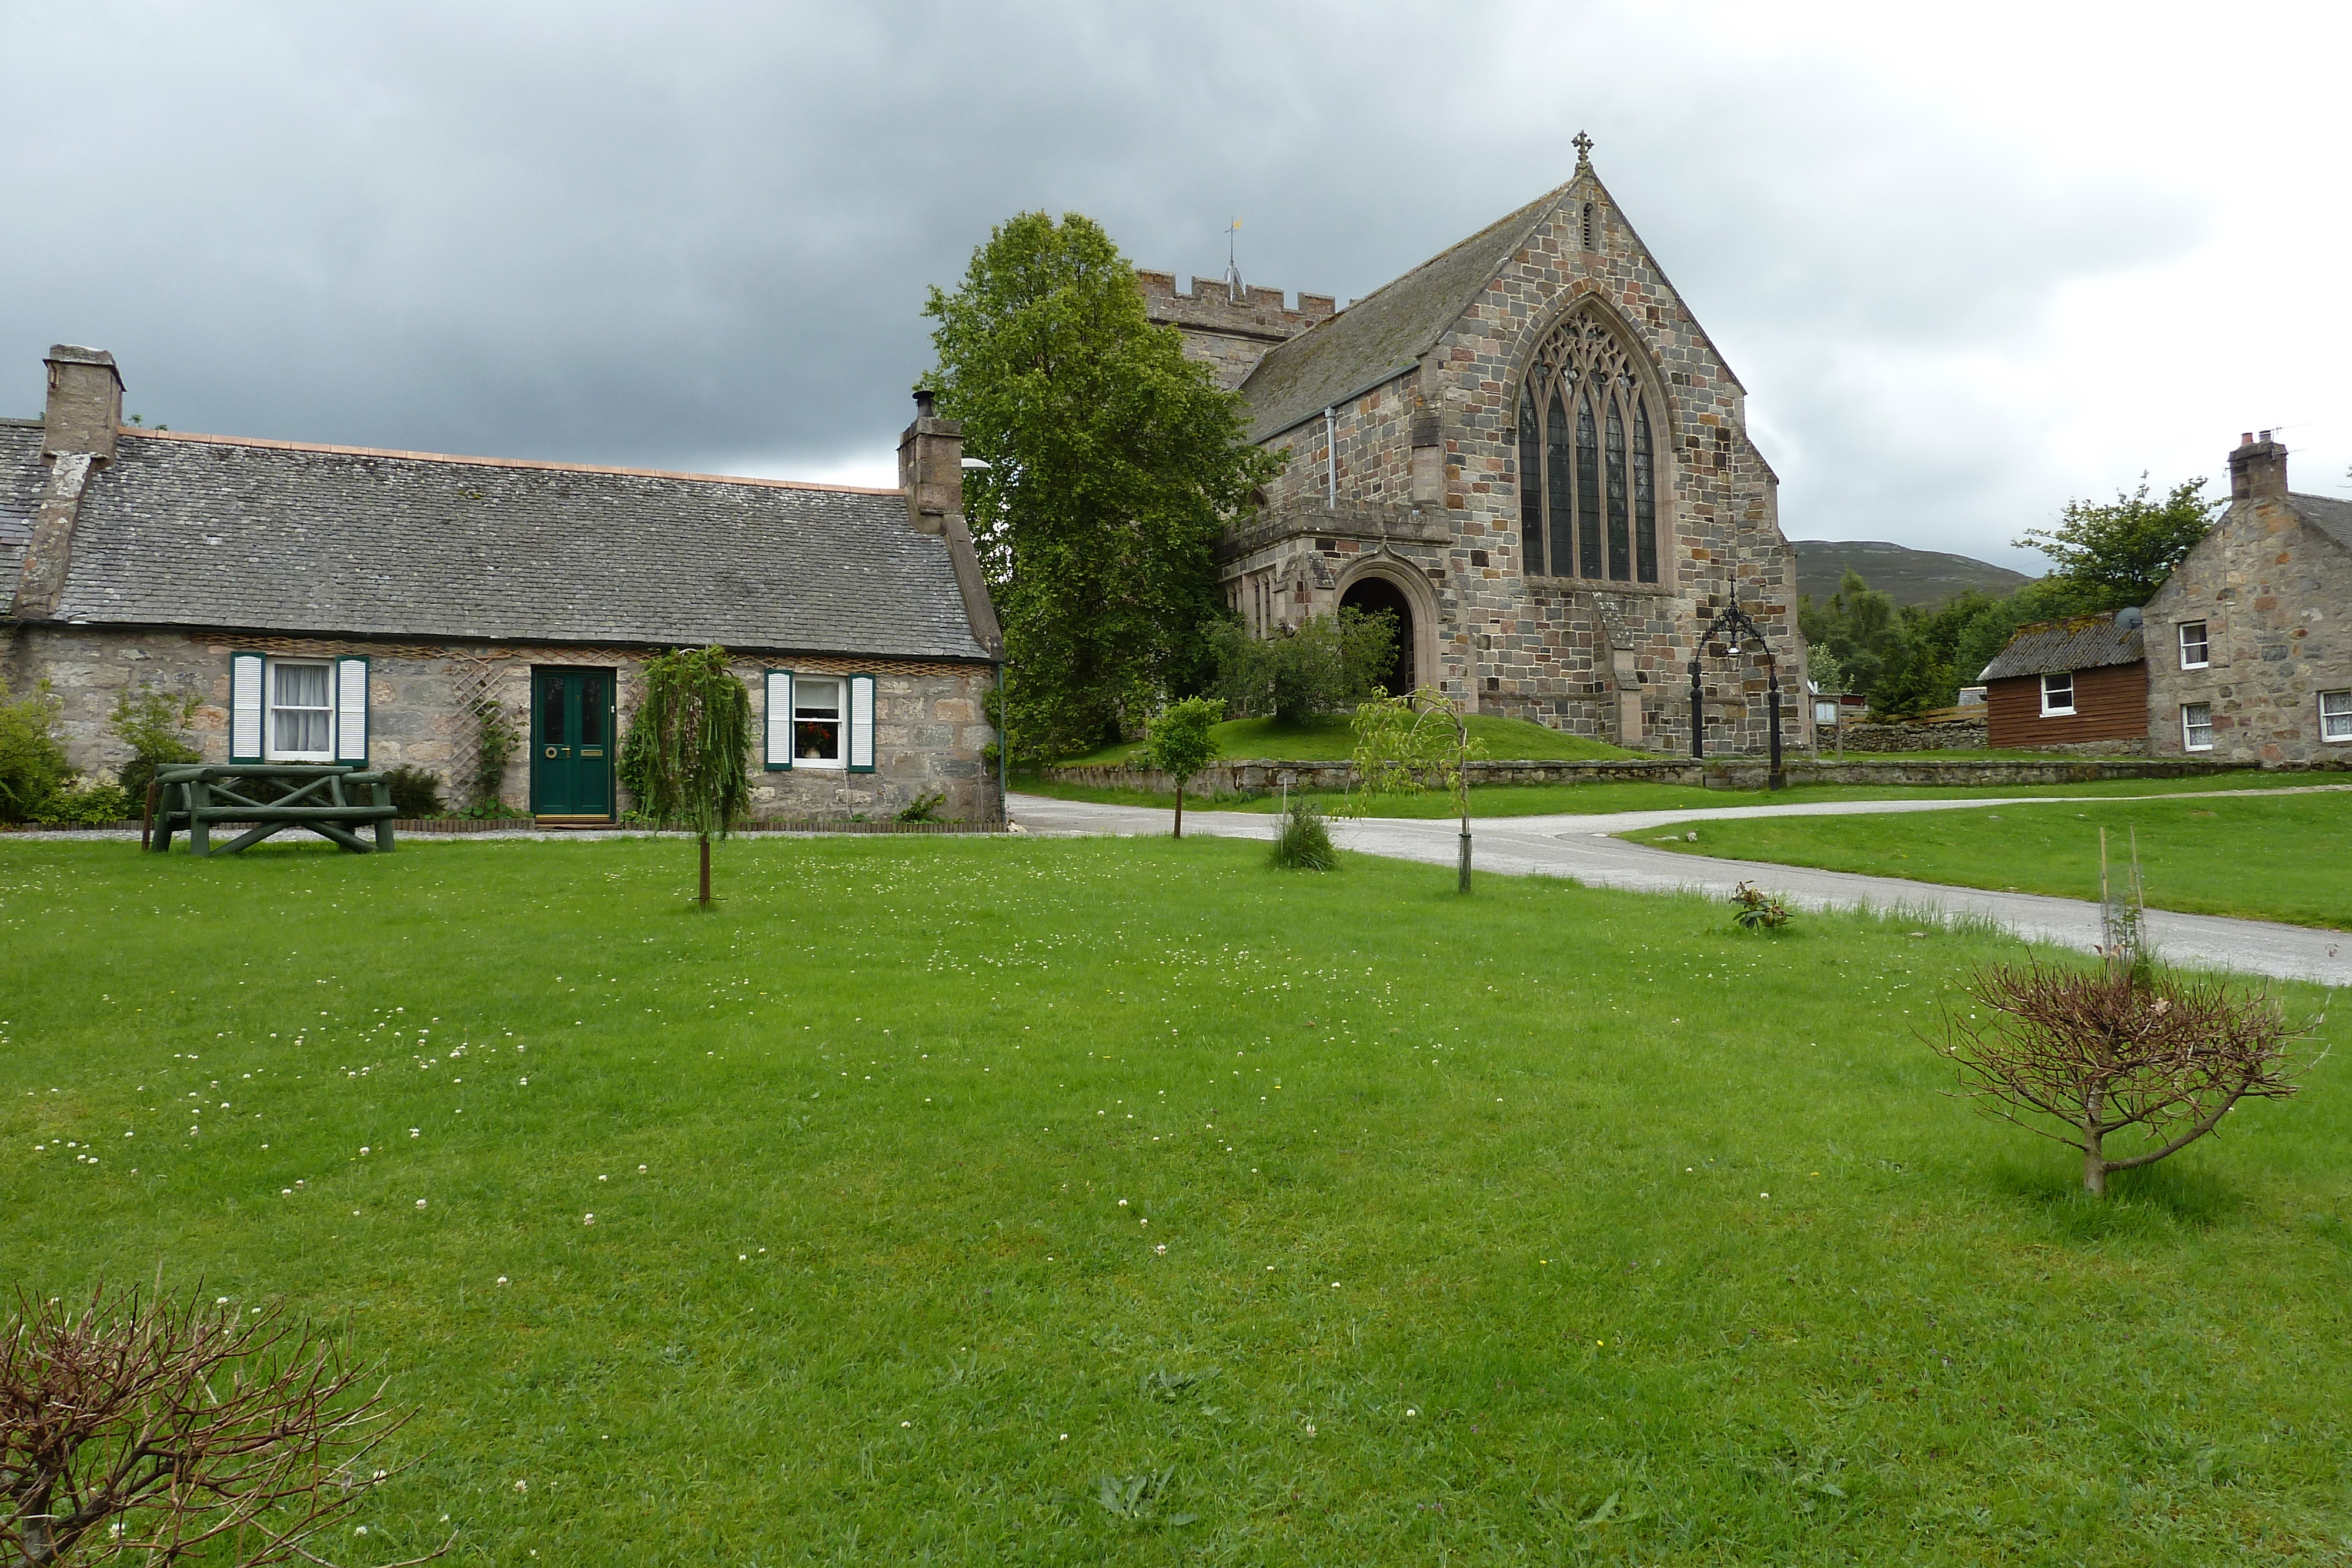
column 1607, row 660
column 1233, row 335
column 1960, row 735
column 1262, row 777
column 930, row 728
column 2276, row 596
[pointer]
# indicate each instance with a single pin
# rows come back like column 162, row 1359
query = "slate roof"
column 1381, row 335
column 2326, row 513
column 282, row 537
column 2080, row 643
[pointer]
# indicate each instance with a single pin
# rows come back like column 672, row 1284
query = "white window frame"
column 2204, row 646
column 2048, row 708
column 2339, row 714
column 839, row 760
column 270, row 706
column 2189, row 727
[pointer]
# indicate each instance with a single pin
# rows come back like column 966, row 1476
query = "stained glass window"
column 1588, row 460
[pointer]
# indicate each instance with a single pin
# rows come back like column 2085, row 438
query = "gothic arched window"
column 1588, row 484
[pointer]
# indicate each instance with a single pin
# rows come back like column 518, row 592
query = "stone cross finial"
column 1583, row 145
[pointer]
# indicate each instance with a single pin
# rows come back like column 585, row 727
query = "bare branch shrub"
column 134, row 1426
column 2099, row 1053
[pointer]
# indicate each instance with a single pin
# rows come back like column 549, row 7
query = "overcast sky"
column 1969, row 261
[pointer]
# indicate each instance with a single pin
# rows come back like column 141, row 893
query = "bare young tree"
column 2097, row 1053
column 134, row 1426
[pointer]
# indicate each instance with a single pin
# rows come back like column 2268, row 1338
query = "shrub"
column 1329, row 662
column 924, row 808
column 497, row 740
column 1756, row 910
column 152, row 721
column 2099, row 1053
column 86, row 806
column 1305, row 841
column 32, row 763
column 414, row 791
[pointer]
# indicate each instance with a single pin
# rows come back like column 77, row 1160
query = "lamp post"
column 1733, row 624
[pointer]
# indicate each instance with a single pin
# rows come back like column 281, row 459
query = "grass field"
column 935, row 1181
column 2288, row 858
column 1545, row 799
column 1330, row 739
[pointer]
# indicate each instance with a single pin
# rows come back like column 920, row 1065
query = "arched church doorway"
column 1372, row 595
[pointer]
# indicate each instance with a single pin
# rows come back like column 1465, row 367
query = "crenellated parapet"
column 1230, row 326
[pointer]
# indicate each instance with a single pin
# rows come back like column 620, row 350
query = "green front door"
column 571, row 743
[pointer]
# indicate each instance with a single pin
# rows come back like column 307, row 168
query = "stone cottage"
column 342, row 604
column 2076, row 683
column 2250, row 640
column 1527, row 450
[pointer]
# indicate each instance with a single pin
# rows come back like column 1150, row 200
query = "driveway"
column 1581, row 847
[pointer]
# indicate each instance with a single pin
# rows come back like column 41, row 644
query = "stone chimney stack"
column 78, row 429
column 2257, row 468
column 85, row 402
column 930, row 466
column 930, row 471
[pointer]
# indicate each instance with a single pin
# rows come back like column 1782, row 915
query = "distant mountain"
column 1907, row 576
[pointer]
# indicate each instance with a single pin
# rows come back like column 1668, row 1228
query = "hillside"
column 1909, row 576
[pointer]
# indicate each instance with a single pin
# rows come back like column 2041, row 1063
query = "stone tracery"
column 1588, row 484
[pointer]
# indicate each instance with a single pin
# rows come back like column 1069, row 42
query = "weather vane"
column 1233, row 266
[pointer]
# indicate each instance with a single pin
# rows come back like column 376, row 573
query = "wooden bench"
column 323, row 797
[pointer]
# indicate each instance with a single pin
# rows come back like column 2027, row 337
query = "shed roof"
column 2326, row 513
column 287, row 537
column 2078, row 643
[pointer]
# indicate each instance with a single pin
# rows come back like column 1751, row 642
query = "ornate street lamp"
column 1735, row 626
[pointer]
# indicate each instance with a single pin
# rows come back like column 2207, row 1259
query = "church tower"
column 1530, row 451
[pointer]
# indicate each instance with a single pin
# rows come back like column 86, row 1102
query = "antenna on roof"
column 1234, row 292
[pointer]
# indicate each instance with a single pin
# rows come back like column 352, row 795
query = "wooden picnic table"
column 330, row 799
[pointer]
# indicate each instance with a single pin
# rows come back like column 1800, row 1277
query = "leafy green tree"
column 152, row 721
column 1114, row 463
column 2119, row 554
column 1328, row 662
column 32, row 763
column 1180, row 743
column 695, row 759
column 1403, row 743
column 1860, row 629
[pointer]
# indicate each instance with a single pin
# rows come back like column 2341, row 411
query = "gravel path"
column 1581, row 847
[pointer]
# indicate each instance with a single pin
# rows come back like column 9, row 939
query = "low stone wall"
column 1261, row 777
column 1951, row 735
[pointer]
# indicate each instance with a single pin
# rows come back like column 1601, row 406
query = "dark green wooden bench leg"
column 200, row 832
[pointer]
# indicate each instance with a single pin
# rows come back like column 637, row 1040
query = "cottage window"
column 820, row 721
column 2058, row 695
column 2197, row 727
column 1588, row 460
column 2335, row 715
column 2194, row 650
column 301, row 717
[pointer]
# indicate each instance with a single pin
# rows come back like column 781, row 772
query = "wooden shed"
column 2068, row 683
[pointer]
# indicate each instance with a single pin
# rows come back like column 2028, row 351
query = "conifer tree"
column 1114, row 462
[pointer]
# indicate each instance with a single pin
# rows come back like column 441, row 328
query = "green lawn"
column 1556, row 1225
column 1330, row 739
column 2287, row 858
column 1544, row 800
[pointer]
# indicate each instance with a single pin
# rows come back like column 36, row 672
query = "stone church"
column 1530, row 451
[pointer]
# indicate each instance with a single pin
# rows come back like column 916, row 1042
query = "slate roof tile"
column 203, row 532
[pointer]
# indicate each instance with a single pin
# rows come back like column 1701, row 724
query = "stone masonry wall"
column 1607, row 660
column 929, row 732
column 2275, row 595
column 1231, row 334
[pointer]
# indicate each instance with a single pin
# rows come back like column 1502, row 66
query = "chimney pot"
column 924, row 399
column 2247, row 439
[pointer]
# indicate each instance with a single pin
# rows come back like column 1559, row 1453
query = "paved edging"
column 1583, row 848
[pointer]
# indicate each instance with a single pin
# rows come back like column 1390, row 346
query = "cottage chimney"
column 930, row 466
column 78, row 429
column 2257, row 468
column 85, row 402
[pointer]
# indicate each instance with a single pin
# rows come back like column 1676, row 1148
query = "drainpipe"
column 1331, row 457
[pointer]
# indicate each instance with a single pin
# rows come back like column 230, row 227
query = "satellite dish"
column 2128, row 619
